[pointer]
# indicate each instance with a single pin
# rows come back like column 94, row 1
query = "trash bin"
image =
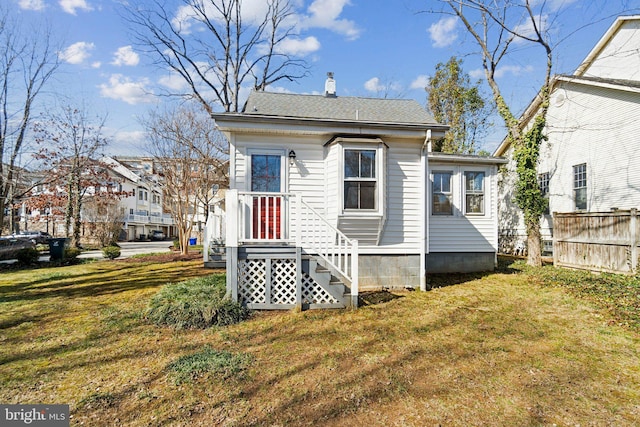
column 143, row 237
column 56, row 248
column 193, row 241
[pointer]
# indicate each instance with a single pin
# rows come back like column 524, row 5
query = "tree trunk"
column 534, row 246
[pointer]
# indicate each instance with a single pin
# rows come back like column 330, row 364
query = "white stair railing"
column 317, row 235
column 254, row 217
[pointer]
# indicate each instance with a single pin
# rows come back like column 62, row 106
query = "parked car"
column 33, row 236
column 157, row 235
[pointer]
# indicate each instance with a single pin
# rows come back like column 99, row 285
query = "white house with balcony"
column 143, row 210
column 329, row 195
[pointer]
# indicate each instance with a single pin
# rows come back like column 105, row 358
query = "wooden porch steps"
column 217, row 257
column 322, row 276
column 282, row 277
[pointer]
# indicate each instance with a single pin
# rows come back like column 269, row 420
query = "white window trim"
column 284, row 177
column 451, row 192
column 585, row 187
column 380, row 178
column 463, row 179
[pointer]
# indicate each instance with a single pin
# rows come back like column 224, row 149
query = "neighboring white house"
column 590, row 162
column 329, row 194
column 143, row 210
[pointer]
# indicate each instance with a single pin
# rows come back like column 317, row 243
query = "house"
column 331, row 194
column 143, row 209
column 590, row 161
column 141, row 204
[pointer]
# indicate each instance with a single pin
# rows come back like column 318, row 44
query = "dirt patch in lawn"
column 162, row 258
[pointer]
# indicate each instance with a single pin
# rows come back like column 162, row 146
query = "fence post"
column 298, row 220
column 634, row 239
column 231, row 203
column 299, row 278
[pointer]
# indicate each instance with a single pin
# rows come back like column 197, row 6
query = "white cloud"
column 32, row 4
column 183, row 19
column 299, row 47
column 526, row 29
column 516, row 70
column 443, row 32
column 77, row 53
column 123, row 89
column 253, row 12
column 373, row 85
column 173, row 81
column 126, row 142
column 96, row 64
column 478, row 73
column 125, row 56
column 70, row 6
column 325, row 14
column 420, row 82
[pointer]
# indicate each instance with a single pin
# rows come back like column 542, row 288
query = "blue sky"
column 374, row 47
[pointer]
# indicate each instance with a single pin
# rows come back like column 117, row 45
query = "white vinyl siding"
column 462, row 232
column 619, row 59
column 404, row 198
column 593, row 125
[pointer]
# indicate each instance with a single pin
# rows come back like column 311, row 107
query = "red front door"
column 266, row 177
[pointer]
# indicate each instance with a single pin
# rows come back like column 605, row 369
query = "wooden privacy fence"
column 599, row 241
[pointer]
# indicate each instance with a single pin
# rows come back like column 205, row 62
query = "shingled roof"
column 370, row 110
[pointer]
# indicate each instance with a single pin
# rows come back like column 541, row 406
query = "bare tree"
column 70, row 142
column 215, row 47
column 27, row 62
column 192, row 158
column 105, row 217
column 497, row 27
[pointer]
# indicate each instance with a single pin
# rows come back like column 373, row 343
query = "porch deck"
column 281, row 253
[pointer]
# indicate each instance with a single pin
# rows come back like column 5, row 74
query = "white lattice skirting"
column 272, row 282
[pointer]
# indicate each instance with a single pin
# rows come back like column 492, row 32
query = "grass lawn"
column 497, row 349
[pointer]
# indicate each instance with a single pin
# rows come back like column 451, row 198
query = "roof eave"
column 471, row 159
column 535, row 103
column 256, row 118
column 606, row 38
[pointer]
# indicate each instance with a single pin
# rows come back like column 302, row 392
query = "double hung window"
column 442, row 196
column 474, row 192
column 580, row 186
column 360, row 180
column 543, row 183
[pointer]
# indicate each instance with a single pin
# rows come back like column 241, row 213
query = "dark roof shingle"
column 372, row 110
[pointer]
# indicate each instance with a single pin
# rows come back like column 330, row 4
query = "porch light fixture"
column 292, row 157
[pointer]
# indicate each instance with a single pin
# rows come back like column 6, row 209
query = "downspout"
column 424, row 224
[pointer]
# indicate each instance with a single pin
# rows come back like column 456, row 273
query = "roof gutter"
column 255, row 118
column 468, row 159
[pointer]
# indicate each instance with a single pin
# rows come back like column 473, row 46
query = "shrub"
column 70, row 254
column 209, row 361
column 111, row 252
column 176, row 244
column 195, row 304
column 28, row 256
